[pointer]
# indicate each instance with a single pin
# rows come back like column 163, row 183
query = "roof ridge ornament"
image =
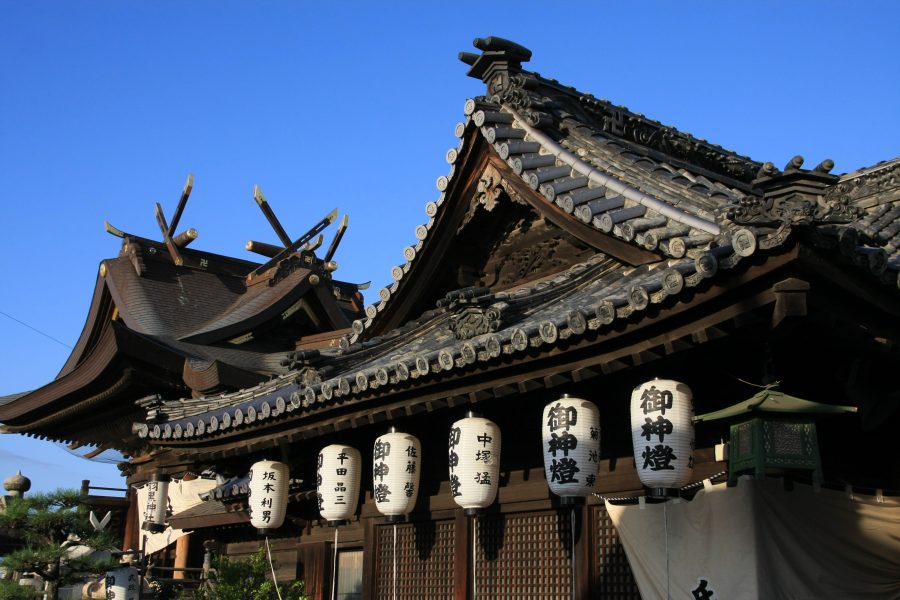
column 499, row 59
column 795, row 196
column 173, row 242
column 182, row 239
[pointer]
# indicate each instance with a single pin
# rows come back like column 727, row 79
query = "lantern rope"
column 474, row 574
column 395, row 561
column 666, row 521
column 633, row 499
column 334, row 564
column 572, row 535
column 272, row 566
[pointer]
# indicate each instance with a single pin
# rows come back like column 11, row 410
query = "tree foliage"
column 49, row 524
column 246, row 580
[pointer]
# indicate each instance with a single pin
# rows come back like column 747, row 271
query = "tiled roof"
column 872, row 242
column 700, row 208
column 585, row 298
column 601, row 180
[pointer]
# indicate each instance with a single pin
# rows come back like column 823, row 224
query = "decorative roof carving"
column 795, row 197
column 869, row 182
column 477, row 320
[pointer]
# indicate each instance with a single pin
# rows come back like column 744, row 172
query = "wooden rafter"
column 270, row 216
column 173, row 243
column 293, row 246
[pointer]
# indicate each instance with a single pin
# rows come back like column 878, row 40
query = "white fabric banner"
column 757, row 540
column 182, row 496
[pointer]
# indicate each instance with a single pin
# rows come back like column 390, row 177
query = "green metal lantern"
column 773, row 432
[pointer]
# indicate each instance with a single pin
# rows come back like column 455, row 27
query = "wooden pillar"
column 582, row 560
column 462, row 557
column 370, row 559
column 181, row 555
column 132, row 533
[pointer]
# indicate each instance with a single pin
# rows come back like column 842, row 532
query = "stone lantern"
column 16, row 485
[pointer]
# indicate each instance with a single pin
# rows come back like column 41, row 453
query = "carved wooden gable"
column 504, row 242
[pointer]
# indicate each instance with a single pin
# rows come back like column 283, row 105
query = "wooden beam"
column 342, row 228
column 292, row 247
column 270, row 216
column 164, row 228
column 185, row 194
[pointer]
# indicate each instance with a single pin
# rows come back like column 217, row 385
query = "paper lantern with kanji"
column 571, row 436
column 157, row 490
column 662, row 431
column 123, row 584
column 474, row 459
column 395, row 474
column 268, row 494
column 337, row 480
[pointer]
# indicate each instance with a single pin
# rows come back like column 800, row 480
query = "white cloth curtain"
column 757, row 540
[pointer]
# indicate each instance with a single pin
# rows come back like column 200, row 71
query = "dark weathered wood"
column 462, row 556
column 182, row 202
column 264, row 249
column 581, row 561
column 293, row 246
column 370, row 559
column 342, row 228
column 164, row 228
column 270, row 216
column 185, row 237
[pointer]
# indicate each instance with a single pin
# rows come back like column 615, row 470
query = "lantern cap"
column 160, row 478
column 571, row 500
column 338, row 522
column 471, row 414
column 394, row 518
column 662, row 493
column 473, row 512
column 771, row 400
column 392, row 429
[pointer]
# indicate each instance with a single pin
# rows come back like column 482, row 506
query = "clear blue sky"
column 106, row 106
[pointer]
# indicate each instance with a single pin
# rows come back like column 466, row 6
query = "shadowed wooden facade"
column 575, row 247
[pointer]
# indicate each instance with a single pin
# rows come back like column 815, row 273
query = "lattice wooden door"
column 524, row 556
column 612, row 576
column 424, row 560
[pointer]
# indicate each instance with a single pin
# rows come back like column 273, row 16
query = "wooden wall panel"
column 425, row 559
column 521, row 556
column 612, row 578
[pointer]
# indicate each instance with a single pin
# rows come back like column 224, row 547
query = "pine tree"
column 49, row 524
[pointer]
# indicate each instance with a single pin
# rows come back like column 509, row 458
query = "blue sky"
column 105, row 107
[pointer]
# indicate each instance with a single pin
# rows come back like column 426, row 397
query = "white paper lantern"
column 337, row 481
column 571, row 434
column 157, row 504
column 662, row 431
column 268, row 494
column 474, row 458
column 395, row 474
column 123, row 584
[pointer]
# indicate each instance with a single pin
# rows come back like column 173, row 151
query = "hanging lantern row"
column 474, row 461
column 571, row 435
column 337, row 482
column 123, row 584
column 395, row 474
column 157, row 490
column 268, row 494
column 662, row 433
